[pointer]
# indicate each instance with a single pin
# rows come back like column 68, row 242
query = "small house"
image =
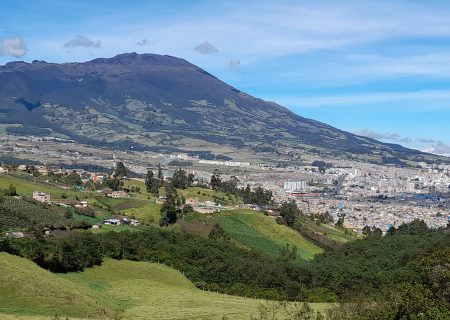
column 112, row 222
column 15, row 234
column 41, row 197
column 193, row 201
column 105, row 191
column 119, row 195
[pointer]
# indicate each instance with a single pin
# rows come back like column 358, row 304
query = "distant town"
column 361, row 194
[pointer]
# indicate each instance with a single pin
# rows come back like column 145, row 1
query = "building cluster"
column 364, row 194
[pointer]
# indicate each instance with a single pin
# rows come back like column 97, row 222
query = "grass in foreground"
column 155, row 291
column 26, row 289
column 139, row 290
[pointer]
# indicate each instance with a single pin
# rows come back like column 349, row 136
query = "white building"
column 294, row 185
column 410, row 186
column 119, row 195
column 41, row 197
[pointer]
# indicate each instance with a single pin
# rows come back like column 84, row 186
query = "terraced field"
column 260, row 232
column 21, row 214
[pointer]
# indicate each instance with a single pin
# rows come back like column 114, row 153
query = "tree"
column 160, row 175
column 287, row 254
column 290, row 213
column 367, row 231
column 215, row 182
column 170, row 211
column 181, row 180
column 187, row 208
column 377, row 232
column 341, row 219
column 115, row 184
column 74, row 179
column 121, row 171
column 169, row 214
column 327, row 218
column 218, row 233
column 151, row 183
column 11, row 190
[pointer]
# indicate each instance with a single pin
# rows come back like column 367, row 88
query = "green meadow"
column 114, row 290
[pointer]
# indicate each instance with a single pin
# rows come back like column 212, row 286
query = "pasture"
column 122, row 289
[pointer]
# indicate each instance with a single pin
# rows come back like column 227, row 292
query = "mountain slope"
column 158, row 102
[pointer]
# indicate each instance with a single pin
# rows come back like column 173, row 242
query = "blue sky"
column 378, row 68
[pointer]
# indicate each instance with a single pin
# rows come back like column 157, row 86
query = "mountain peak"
column 143, row 58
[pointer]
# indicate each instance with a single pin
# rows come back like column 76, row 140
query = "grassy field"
column 147, row 214
column 138, row 290
column 207, row 194
column 260, row 232
column 26, row 289
column 25, row 185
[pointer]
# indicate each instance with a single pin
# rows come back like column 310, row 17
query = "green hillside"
column 26, row 289
column 251, row 229
column 154, row 291
column 261, row 232
column 26, row 184
column 140, row 290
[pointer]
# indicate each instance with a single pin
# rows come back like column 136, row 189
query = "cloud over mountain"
column 144, row 42
column 13, row 47
column 234, row 64
column 82, row 41
column 206, row 48
column 425, row 144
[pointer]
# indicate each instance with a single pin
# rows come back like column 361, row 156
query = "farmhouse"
column 113, row 222
column 41, row 197
column 15, row 234
column 131, row 222
column 42, row 170
column 98, row 177
column 161, row 199
column 193, row 201
column 119, row 195
column 81, row 204
column 105, row 191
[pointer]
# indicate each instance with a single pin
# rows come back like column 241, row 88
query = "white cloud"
column 206, row 48
column 365, row 98
column 82, row 41
column 144, row 42
column 424, row 144
column 234, row 64
column 13, row 47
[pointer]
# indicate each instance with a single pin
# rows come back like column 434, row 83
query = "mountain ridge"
column 132, row 98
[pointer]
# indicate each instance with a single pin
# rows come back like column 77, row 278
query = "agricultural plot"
column 148, row 213
column 208, row 194
column 260, row 232
column 22, row 214
column 145, row 210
